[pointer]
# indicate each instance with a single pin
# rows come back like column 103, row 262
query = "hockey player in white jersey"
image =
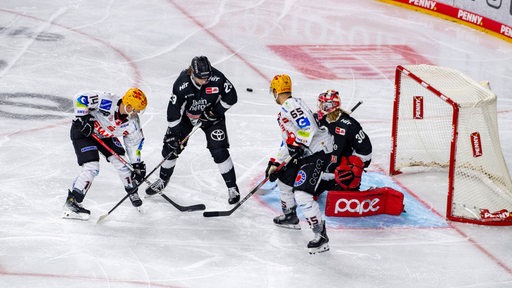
column 108, row 116
column 310, row 146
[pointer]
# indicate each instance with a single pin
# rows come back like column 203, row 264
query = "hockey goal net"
column 442, row 118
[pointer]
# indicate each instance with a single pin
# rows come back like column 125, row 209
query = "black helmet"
column 201, row 67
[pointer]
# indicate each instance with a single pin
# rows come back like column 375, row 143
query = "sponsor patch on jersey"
column 339, row 131
column 82, row 101
column 105, row 104
column 303, row 122
column 218, row 135
column 302, row 134
column 300, row 179
column 183, row 86
column 117, row 142
column 211, row 90
column 88, row 148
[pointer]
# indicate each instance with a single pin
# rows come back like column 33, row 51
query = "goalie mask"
column 328, row 102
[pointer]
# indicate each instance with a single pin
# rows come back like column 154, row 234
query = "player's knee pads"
column 167, row 169
column 91, row 168
column 309, row 206
column 168, row 164
column 121, row 168
column 86, row 176
column 225, row 166
column 219, row 154
column 287, row 200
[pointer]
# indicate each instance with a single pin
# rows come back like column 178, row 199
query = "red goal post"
column 444, row 119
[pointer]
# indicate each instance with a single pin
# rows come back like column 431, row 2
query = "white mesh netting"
column 423, row 134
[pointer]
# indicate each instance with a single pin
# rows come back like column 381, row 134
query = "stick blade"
column 217, row 213
column 197, row 207
column 102, row 217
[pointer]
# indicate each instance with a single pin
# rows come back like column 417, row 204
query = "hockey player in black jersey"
column 202, row 94
column 352, row 147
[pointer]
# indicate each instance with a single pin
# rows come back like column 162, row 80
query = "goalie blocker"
column 383, row 200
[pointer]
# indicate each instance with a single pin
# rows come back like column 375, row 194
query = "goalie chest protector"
column 383, row 200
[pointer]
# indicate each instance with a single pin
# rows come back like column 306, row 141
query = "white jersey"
column 104, row 107
column 298, row 124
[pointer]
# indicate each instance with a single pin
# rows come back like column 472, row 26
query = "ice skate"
column 288, row 220
column 74, row 210
column 134, row 197
column 321, row 242
column 156, row 187
column 234, row 195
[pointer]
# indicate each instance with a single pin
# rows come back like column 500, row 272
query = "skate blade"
column 75, row 216
column 289, row 226
column 321, row 249
column 148, row 196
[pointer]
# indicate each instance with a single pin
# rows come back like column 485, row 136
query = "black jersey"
column 349, row 139
column 189, row 101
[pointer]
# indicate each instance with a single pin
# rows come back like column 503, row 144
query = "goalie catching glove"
column 348, row 174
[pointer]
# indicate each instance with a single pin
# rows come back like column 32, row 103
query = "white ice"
column 57, row 48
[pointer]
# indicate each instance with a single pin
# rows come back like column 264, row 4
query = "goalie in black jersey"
column 352, row 151
column 200, row 94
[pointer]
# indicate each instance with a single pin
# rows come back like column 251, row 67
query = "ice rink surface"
column 54, row 49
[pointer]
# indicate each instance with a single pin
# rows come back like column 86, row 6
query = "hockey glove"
column 348, row 174
column 139, row 171
column 171, row 145
column 86, row 124
column 271, row 172
column 209, row 118
column 295, row 150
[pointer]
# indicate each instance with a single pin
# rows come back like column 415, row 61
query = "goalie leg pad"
column 383, row 200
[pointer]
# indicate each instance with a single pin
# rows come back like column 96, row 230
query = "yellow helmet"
column 281, row 84
column 135, row 98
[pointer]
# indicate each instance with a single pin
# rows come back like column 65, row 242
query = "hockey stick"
column 195, row 207
column 355, row 107
column 229, row 212
column 181, row 208
column 255, row 189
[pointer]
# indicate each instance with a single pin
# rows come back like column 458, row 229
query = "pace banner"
column 383, row 200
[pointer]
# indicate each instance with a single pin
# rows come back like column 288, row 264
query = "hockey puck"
column 249, row 89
